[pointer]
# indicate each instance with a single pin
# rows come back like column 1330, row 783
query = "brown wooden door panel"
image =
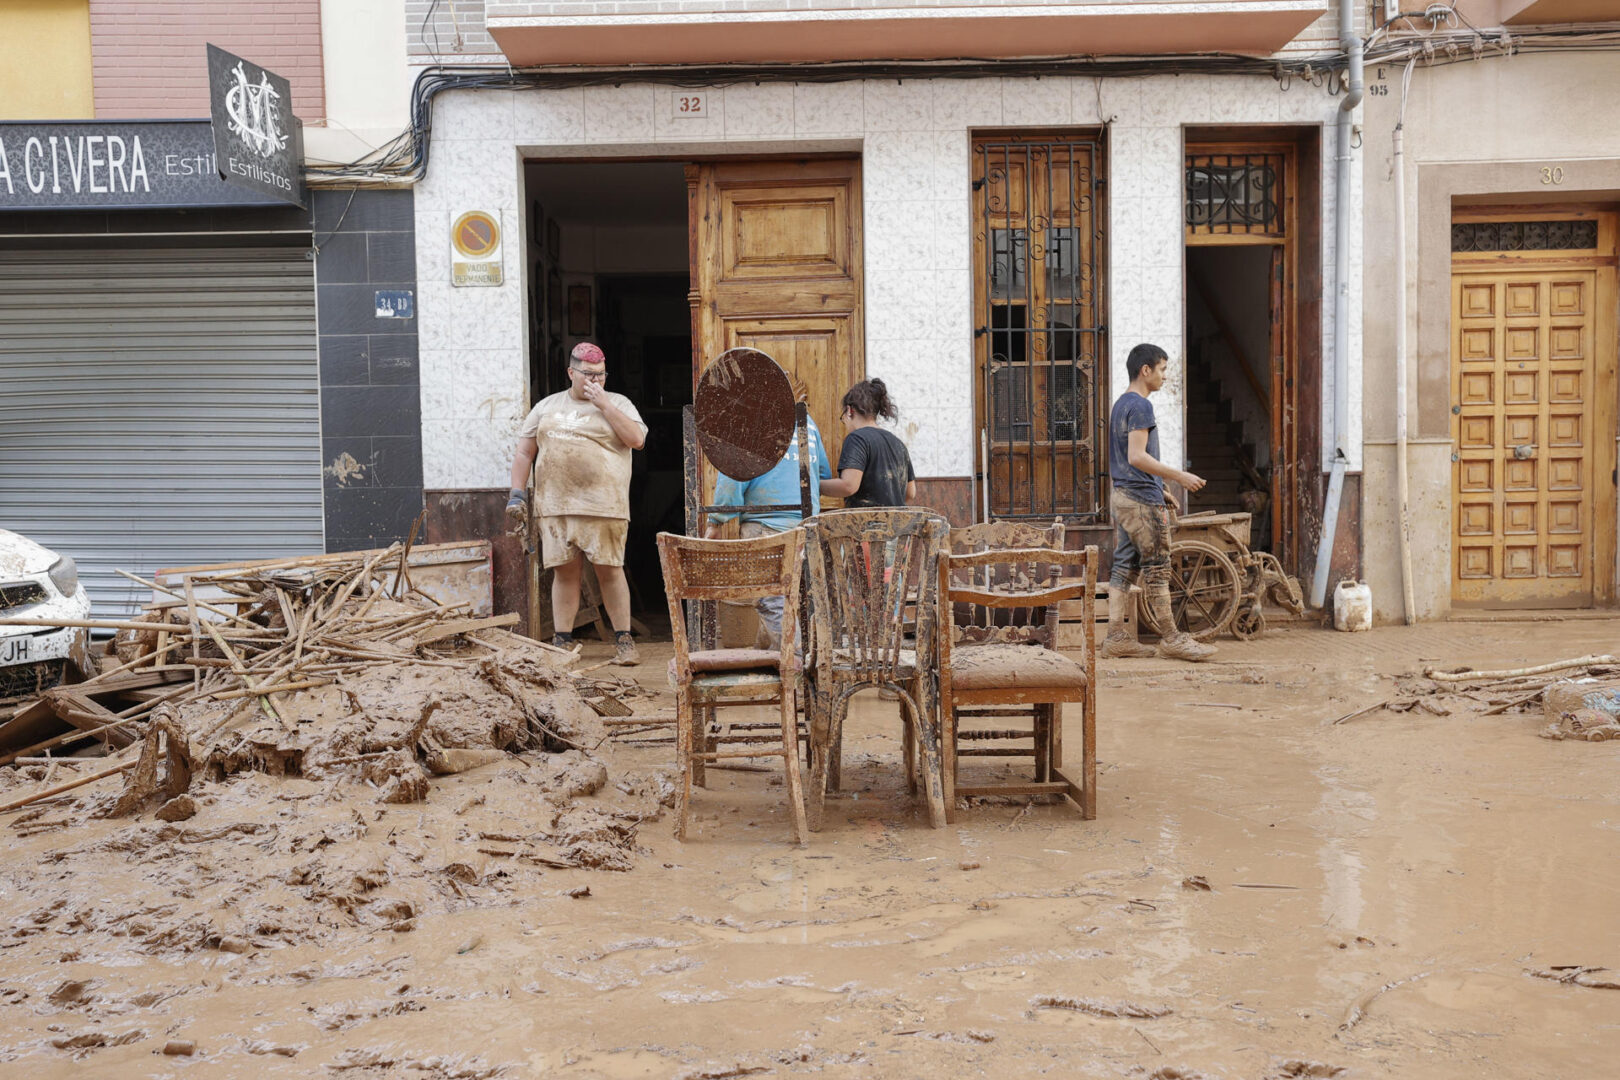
column 1523, row 370
column 1039, row 346
column 1031, row 474
column 812, row 348
column 794, row 232
column 776, row 265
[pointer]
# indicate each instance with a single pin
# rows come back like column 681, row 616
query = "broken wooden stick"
column 18, row 804
column 1359, row 1007
column 1374, row 707
column 95, row 624
column 1515, row 673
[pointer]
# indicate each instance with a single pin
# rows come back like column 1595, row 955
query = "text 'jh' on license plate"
column 15, row 650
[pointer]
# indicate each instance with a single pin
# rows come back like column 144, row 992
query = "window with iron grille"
column 1569, row 235
column 1040, row 331
column 1235, row 193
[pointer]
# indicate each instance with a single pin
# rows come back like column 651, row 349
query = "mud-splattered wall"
column 371, row 415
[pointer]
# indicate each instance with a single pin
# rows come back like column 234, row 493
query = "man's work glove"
column 517, row 513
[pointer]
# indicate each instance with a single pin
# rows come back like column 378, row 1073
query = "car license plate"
column 15, row 650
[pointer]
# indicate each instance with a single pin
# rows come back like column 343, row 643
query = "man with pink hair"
column 576, row 444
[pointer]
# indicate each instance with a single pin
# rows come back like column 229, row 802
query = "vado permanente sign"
column 258, row 143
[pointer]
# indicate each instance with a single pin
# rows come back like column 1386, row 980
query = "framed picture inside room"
column 537, row 299
column 554, row 304
column 553, row 241
column 579, row 310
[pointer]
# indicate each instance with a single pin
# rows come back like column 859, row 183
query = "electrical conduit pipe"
column 1351, row 44
column 1403, row 491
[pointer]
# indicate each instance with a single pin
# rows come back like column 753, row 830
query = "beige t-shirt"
column 580, row 466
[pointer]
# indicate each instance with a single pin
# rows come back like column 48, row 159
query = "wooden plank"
column 33, row 723
column 465, row 626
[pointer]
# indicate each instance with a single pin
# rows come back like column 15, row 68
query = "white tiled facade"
column 913, row 138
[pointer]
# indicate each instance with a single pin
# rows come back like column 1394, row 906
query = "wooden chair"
column 989, row 723
column 712, row 570
column 1003, row 662
column 866, row 567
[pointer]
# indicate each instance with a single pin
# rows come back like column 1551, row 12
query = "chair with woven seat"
column 999, row 663
column 711, row 570
column 868, row 567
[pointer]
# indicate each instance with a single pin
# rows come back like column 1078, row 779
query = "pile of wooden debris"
column 1543, row 688
column 329, row 667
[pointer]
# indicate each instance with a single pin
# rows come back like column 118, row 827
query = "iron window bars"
column 1571, row 235
column 1235, row 193
column 1040, row 326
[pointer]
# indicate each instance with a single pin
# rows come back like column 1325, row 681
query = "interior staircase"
column 1216, row 446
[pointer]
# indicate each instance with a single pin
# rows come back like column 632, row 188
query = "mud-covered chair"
column 711, row 570
column 868, row 569
column 977, row 725
column 999, row 662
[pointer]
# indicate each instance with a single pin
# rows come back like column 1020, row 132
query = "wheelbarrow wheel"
column 1249, row 623
column 1204, row 590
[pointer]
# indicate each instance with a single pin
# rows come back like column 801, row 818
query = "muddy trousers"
column 769, row 608
column 1142, row 543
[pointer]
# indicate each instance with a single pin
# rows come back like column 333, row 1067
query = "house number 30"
column 1552, row 174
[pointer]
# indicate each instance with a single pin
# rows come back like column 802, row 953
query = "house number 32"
column 1552, row 174
column 690, row 106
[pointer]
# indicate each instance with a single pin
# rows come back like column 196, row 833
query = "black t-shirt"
column 885, row 467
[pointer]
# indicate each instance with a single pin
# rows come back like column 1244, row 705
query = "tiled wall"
column 371, row 445
column 913, row 136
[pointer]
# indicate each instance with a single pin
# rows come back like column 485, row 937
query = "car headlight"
column 64, row 574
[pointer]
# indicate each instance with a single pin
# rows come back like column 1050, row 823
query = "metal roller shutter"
column 159, row 407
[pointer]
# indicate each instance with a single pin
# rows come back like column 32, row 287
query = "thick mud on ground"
column 1264, row 895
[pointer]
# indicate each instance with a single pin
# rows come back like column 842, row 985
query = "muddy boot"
column 1179, row 646
column 1174, row 644
column 624, row 649
column 1120, row 642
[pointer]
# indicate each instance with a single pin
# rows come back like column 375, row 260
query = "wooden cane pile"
column 311, row 665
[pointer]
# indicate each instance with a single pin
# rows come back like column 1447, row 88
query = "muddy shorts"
column 1141, row 541
column 601, row 539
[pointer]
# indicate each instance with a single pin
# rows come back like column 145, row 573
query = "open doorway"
column 1253, row 320
column 608, row 262
column 1231, row 338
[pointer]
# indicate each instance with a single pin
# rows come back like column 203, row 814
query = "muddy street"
column 1264, row 894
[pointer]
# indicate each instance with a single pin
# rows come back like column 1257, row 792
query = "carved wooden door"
column 1524, row 414
column 776, row 265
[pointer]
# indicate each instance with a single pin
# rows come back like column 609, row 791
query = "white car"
column 37, row 583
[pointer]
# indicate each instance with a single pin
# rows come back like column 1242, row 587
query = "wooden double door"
column 776, row 266
column 1533, row 425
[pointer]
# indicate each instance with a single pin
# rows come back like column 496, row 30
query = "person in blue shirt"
column 778, row 487
column 1141, row 518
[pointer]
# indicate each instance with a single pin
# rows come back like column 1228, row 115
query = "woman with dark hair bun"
column 874, row 468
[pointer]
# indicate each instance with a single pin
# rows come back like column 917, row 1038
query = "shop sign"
column 96, row 165
column 258, row 143
column 475, row 248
